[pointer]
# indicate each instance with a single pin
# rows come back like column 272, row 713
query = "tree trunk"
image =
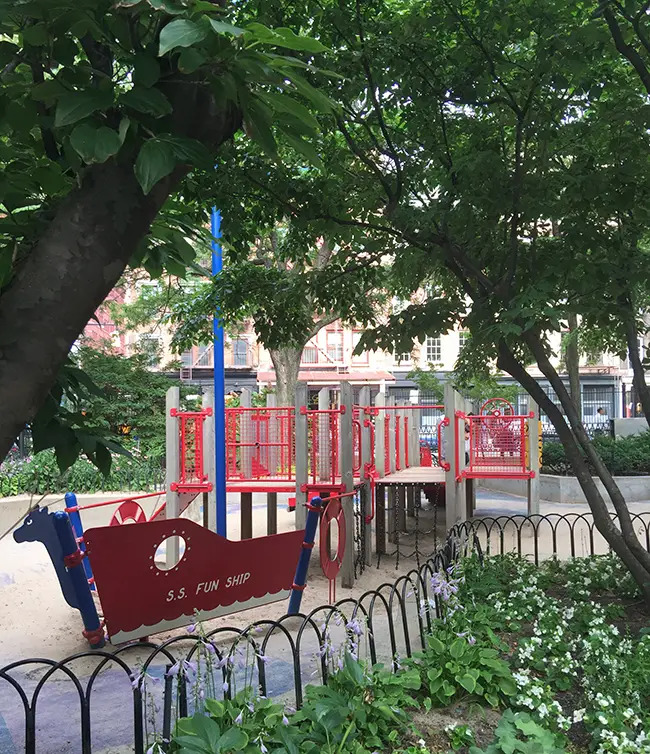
column 602, row 518
column 572, row 358
column 632, row 338
column 286, row 362
column 78, row 260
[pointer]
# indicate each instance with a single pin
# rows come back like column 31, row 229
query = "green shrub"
column 623, row 456
column 40, row 475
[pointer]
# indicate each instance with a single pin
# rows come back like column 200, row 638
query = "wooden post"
column 380, row 447
column 380, row 519
column 455, row 494
column 415, row 417
column 209, row 459
column 246, row 434
column 533, row 456
column 324, row 436
column 246, row 511
column 172, row 465
column 410, row 501
column 274, row 457
column 302, row 469
column 380, row 465
column 390, row 417
column 364, row 400
column 347, row 480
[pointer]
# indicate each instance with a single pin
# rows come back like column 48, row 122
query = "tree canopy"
column 104, row 111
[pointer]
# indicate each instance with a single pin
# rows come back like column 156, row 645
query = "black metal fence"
column 121, row 700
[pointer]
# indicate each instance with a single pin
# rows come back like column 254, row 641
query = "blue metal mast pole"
column 219, row 386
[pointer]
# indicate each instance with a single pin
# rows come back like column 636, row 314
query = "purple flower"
column 472, row 640
column 240, row 718
column 135, row 680
column 209, row 647
column 226, row 686
column 174, row 670
column 263, row 658
column 263, row 748
column 285, row 720
column 354, row 627
column 191, row 628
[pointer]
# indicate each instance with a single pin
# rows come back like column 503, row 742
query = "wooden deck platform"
column 415, row 475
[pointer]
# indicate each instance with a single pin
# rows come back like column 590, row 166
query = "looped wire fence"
column 101, row 701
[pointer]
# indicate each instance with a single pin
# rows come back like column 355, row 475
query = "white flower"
column 578, row 715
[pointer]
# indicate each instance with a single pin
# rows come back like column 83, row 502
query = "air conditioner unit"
column 186, row 373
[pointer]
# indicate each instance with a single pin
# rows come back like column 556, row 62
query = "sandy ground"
column 35, row 621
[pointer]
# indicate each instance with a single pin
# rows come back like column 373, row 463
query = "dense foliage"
column 546, row 646
column 623, row 456
column 41, row 475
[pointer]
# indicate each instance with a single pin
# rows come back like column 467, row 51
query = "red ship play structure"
column 339, row 463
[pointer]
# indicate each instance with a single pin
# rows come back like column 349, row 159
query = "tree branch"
column 626, row 50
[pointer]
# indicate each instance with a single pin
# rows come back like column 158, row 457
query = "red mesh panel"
column 260, row 443
column 496, row 445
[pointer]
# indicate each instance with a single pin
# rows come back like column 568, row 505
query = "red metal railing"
column 356, row 446
column 443, row 464
column 260, row 443
column 192, row 475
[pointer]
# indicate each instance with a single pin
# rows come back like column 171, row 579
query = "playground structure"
column 360, row 465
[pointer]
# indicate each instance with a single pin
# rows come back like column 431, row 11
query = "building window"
column 204, row 356
column 149, row 347
column 463, row 337
column 335, row 346
column 240, row 352
column 309, row 354
column 434, row 349
column 360, row 358
column 402, row 357
column 186, row 358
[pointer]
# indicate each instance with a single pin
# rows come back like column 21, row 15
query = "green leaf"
column 190, row 60
column 354, row 669
column 36, row 35
column 95, row 145
column 467, row 682
column 103, row 459
column 155, row 161
column 457, row 648
column 257, row 123
column 234, row 739
column 285, row 104
column 304, row 148
column 292, row 41
column 149, row 101
column 188, row 150
column 223, row 28
column 74, row 106
column 435, row 644
column 508, row 686
column 146, row 70
column 180, row 33
column 283, row 37
column 207, row 730
column 318, row 99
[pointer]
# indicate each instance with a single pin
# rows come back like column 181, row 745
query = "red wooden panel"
column 214, row 577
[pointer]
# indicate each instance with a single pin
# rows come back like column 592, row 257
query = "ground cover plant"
column 522, row 658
